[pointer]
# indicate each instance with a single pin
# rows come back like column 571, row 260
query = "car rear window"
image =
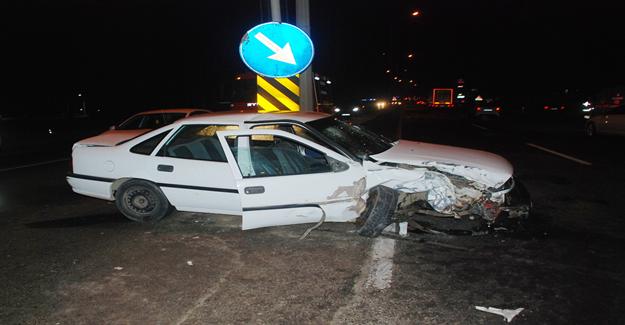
column 146, row 147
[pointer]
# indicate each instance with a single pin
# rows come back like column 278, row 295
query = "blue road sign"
column 276, row 50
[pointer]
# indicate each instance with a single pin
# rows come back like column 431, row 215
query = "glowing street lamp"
column 415, row 13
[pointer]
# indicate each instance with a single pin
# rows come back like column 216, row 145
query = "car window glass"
column 152, row 121
column 146, row 147
column 281, row 127
column 133, row 123
column 261, row 137
column 292, row 128
column 197, row 142
column 198, row 113
column 358, row 140
column 169, row 118
column 302, row 132
column 269, row 155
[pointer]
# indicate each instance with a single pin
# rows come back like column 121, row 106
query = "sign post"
column 277, row 52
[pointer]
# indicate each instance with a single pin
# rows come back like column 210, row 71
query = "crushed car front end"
column 437, row 192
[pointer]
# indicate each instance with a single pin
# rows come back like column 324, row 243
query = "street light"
column 410, row 56
column 416, row 13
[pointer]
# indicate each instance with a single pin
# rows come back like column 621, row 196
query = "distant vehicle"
column 442, row 97
column 348, row 111
column 606, row 120
column 554, row 107
column 487, row 109
column 293, row 168
column 362, row 107
column 146, row 121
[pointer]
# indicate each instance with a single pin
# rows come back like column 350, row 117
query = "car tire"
column 381, row 206
column 591, row 130
column 142, row 201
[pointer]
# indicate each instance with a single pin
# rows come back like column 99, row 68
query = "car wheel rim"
column 139, row 200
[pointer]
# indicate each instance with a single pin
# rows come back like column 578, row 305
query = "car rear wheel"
column 590, row 129
column 141, row 201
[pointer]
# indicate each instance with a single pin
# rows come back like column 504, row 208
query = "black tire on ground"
column 591, row 130
column 141, row 201
column 381, row 206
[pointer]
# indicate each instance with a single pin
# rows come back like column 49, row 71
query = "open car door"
column 284, row 179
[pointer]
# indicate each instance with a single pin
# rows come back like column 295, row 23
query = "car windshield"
column 359, row 141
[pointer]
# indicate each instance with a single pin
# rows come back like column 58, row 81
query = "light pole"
column 302, row 18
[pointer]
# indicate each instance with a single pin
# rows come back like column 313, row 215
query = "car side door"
column 191, row 169
column 284, row 179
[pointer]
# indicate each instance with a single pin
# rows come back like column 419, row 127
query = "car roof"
column 241, row 117
column 172, row 110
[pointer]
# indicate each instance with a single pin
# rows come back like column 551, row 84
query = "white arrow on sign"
column 282, row 54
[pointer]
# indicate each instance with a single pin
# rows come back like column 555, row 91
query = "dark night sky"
column 137, row 54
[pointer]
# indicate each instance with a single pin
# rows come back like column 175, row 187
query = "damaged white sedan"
column 282, row 169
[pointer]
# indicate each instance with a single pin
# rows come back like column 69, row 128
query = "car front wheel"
column 141, row 201
column 381, row 206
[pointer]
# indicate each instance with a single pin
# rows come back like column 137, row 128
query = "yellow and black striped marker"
column 276, row 95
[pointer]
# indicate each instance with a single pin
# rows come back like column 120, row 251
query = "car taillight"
column 478, row 109
column 498, row 109
column 546, row 107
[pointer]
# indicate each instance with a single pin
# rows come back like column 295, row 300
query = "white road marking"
column 559, row 154
column 381, row 271
column 34, row 164
column 480, row 127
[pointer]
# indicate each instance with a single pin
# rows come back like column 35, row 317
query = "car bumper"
column 517, row 207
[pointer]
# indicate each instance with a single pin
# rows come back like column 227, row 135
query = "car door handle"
column 254, row 190
column 165, row 168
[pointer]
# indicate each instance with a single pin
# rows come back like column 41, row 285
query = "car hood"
column 476, row 165
column 112, row 137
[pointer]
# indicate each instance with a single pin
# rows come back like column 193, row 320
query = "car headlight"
column 336, row 110
column 355, row 109
column 505, row 187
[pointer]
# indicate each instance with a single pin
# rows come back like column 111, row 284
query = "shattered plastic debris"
column 118, row 268
column 190, row 263
column 508, row 314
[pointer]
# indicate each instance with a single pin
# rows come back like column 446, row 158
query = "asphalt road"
column 69, row 259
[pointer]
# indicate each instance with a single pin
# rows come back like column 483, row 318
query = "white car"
column 145, row 121
column 281, row 169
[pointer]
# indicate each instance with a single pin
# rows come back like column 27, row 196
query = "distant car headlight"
column 336, row 110
column 355, row 109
